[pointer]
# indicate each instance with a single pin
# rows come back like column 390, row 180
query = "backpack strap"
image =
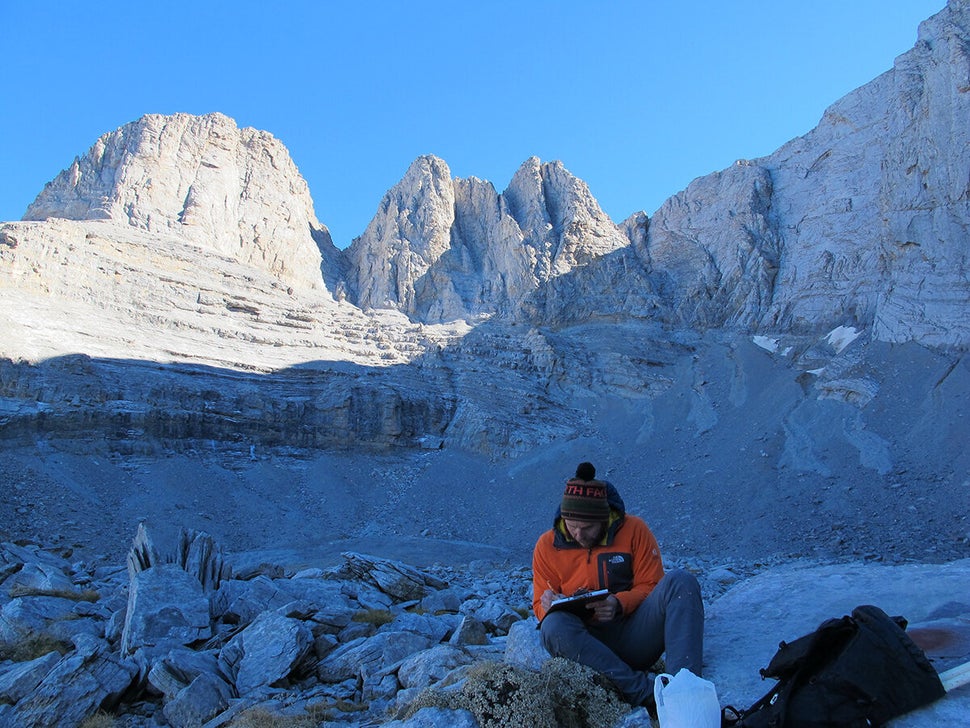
column 730, row 716
column 766, row 712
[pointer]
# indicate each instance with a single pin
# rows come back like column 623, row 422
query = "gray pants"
column 670, row 619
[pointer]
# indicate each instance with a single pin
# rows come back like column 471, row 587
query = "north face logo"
column 617, row 559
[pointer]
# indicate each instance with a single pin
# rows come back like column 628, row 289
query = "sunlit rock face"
column 442, row 249
column 872, row 204
column 233, row 191
column 863, row 221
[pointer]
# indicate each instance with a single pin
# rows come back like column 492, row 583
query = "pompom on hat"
column 585, row 498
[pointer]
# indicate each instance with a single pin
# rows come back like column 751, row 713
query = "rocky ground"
column 452, row 507
column 843, row 488
column 300, row 510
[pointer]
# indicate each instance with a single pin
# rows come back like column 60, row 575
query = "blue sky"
column 637, row 97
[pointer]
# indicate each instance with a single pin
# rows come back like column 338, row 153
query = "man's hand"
column 605, row 610
column 548, row 597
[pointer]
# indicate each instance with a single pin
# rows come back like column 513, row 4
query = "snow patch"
column 841, row 337
column 766, row 343
column 771, row 344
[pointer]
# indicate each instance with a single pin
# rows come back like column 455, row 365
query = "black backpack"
column 853, row 671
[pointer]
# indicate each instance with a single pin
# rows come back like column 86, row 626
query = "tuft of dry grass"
column 21, row 590
column 262, row 718
column 32, row 646
column 99, row 720
column 376, row 617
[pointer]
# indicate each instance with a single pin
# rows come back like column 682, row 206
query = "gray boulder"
column 165, row 604
column 27, row 615
column 324, row 601
column 370, row 654
column 240, row 602
column 266, row 651
column 471, row 631
column 523, row 648
column 442, row 600
column 430, row 666
column 174, row 671
column 392, row 577
column 497, row 616
column 40, row 577
column 435, row 628
column 203, row 699
column 19, row 678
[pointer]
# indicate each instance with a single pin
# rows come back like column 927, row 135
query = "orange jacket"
column 626, row 561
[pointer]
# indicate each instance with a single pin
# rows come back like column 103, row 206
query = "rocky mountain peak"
column 862, row 222
column 234, row 191
column 411, row 230
column 561, row 220
column 442, row 249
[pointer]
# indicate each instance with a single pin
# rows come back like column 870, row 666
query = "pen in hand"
column 549, row 596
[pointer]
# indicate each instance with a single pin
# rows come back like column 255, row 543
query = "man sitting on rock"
column 595, row 544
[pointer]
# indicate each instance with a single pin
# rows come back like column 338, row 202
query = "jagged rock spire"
column 441, row 249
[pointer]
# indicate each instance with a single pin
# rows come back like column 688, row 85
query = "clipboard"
column 576, row 604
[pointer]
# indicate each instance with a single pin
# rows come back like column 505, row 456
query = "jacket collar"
column 562, row 539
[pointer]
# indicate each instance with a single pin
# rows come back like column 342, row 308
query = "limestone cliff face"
column 874, row 203
column 925, row 183
column 234, row 191
column 409, row 233
column 441, row 249
column 713, row 250
column 862, row 221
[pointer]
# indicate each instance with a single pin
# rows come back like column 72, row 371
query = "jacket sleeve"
column 543, row 575
column 648, row 567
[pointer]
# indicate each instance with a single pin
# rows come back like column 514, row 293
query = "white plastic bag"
column 686, row 701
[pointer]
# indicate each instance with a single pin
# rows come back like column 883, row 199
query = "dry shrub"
column 563, row 694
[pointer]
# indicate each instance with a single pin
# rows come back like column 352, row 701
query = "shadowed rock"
column 79, row 684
